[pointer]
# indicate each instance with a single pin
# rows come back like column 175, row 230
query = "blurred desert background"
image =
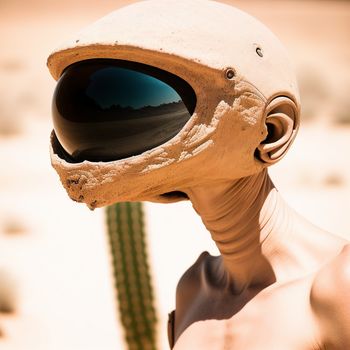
column 56, row 290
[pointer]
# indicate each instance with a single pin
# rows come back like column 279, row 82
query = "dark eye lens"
column 110, row 109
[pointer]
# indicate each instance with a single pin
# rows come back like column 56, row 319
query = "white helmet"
column 246, row 113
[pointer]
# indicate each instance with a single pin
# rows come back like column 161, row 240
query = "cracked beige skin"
column 280, row 282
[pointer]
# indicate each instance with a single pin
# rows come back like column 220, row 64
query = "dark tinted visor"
column 106, row 109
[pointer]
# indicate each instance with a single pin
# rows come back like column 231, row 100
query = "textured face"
column 240, row 96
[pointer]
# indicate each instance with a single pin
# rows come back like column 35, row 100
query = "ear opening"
column 282, row 123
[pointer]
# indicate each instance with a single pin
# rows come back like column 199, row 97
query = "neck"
column 250, row 224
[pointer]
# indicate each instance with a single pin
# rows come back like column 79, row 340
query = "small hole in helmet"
column 259, row 51
column 230, row 73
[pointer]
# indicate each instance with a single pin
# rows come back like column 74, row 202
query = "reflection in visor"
column 106, row 109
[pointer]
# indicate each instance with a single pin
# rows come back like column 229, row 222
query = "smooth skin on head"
column 274, row 284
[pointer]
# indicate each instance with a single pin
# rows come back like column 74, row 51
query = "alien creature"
column 193, row 100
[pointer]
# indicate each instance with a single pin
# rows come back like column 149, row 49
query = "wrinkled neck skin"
column 261, row 240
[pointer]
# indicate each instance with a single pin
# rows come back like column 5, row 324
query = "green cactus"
column 132, row 274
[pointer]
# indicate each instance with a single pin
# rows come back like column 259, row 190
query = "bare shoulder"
column 333, row 278
column 330, row 299
column 193, row 337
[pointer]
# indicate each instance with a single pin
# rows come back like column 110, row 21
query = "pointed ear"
column 282, row 123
